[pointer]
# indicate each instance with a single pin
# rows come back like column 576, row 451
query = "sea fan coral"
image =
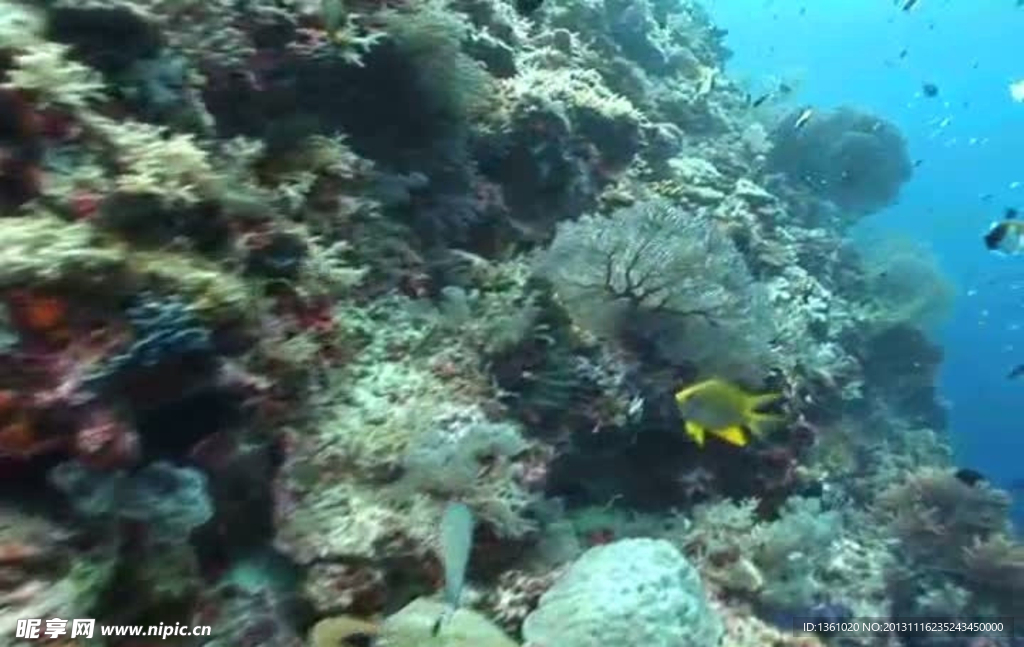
column 654, row 273
column 905, row 284
column 856, row 160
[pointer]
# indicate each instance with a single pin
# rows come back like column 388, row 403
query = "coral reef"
column 280, row 280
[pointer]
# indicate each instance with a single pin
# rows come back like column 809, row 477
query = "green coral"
column 213, row 293
column 41, row 249
column 429, row 34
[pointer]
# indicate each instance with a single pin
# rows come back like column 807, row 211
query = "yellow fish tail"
column 733, row 436
column 757, row 402
column 696, row 432
column 762, row 423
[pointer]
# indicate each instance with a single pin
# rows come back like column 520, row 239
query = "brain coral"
column 630, row 593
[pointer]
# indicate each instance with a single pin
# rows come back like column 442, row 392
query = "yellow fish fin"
column 733, row 436
column 684, row 394
column 761, row 423
column 756, row 402
column 695, row 431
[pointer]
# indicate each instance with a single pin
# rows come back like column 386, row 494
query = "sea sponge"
column 630, row 593
column 854, row 159
column 171, row 501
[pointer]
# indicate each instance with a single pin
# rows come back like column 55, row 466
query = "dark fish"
column 908, row 5
column 903, row 52
column 930, row 90
column 1007, row 235
column 918, row 163
column 970, row 477
column 527, row 7
column 760, row 100
column 1015, row 372
column 785, row 88
column 995, row 236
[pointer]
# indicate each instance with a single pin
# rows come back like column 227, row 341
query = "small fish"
column 724, row 410
column 1007, row 235
column 785, row 88
column 527, row 7
column 802, row 120
column 903, row 53
column 1015, row 372
column 760, row 100
column 930, row 90
column 908, row 5
column 918, row 163
column 969, row 477
column 456, row 544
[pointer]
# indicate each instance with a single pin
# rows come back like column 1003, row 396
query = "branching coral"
column 781, row 562
column 995, row 566
column 794, row 550
column 170, row 167
column 580, row 97
column 46, row 72
column 40, row 249
column 937, row 517
column 669, row 277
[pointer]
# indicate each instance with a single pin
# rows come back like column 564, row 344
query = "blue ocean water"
column 970, row 140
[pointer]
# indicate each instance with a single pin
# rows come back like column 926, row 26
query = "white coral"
column 45, row 70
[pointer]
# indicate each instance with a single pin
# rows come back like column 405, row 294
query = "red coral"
column 37, row 315
column 347, row 588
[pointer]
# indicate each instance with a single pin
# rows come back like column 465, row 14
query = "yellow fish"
column 725, row 410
